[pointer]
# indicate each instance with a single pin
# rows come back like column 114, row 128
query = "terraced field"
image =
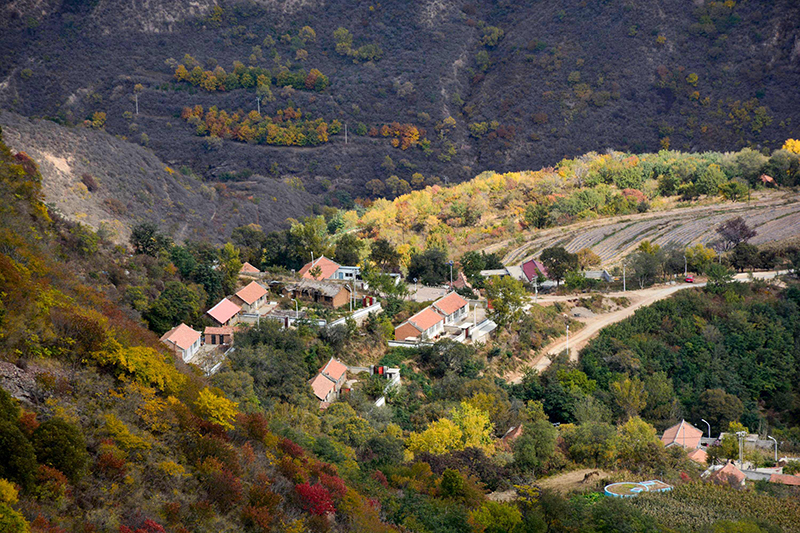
column 776, row 217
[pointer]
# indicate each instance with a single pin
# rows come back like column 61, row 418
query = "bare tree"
column 733, row 232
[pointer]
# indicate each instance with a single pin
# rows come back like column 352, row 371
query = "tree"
column 698, row 257
column 440, row 437
column 644, row 267
column 637, row 445
column 229, row 266
column 473, row 262
column 348, row 250
column 734, row 231
column 629, row 395
column 718, row 277
column 176, row 303
column 19, row 459
column 496, row 517
column 146, row 239
column 744, row 256
column 587, row 258
column 9, row 408
column 216, row 409
column 476, row 427
column 558, row 262
column 430, row 267
column 507, row 297
column 591, row 444
column 61, row 445
column 384, row 254
column 719, row 408
column 535, row 446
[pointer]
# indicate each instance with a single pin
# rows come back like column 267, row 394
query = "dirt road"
column 638, row 298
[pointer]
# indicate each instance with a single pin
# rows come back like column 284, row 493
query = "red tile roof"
column 224, row 311
column 181, row 336
column 251, row 293
column 322, row 386
column 247, row 268
column 698, row 456
column 461, row 281
column 334, row 368
column 532, row 268
column 326, row 266
column 450, row 303
column 683, row 434
column 729, row 471
column 219, row 330
column 425, row 319
column 786, row 479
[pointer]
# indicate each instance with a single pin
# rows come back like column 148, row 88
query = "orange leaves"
column 404, row 135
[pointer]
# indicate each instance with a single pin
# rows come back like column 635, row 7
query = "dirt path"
column 593, row 325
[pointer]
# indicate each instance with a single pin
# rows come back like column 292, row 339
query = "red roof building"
column 225, row 313
column 698, row 456
column 250, row 297
column 532, row 269
column 785, row 479
column 452, row 307
column 183, row 340
column 326, row 267
column 729, row 474
column 425, row 325
column 461, row 282
column 682, row 434
column 327, row 384
column 247, row 268
column 216, row 336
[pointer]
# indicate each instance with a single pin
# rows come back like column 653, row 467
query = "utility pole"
column 685, row 265
column 451, row 275
column 258, row 102
column 624, row 285
column 345, row 133
column 741, row 435
column 568, row 340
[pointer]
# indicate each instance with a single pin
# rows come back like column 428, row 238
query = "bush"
column 61, row 445
column 19, row 459
column 9, row 407
column 11, row 521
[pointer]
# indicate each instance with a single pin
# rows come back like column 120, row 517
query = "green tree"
column 229, row 266
column 177, row 303
column 429, row 267
column 496, row 517
column 591, row 444
column 348, row 250
column 744, row 256
column 473, row 262
column 535, row 446
column 718, row 277
column 558, row 262
column 719, row 408
column 637, row 445
column 384, row 254
column 11, row 521
column 643, row 267
column 19, row 459
column 9, row 408
column 61, row 445
column 629, row 395
column 507, row 296
column 146, row 239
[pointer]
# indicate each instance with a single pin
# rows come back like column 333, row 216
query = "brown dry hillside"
column 102, row 181
column 776, row 217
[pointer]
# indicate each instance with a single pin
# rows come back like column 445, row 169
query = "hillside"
column 487, row 86
column 97, row 179
column 607, row 202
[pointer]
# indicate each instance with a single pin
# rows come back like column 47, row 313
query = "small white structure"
column 183, row 340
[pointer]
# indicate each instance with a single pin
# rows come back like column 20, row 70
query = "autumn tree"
column 558, row 262
column 535, row 446
column 734, row 231
column 61, row 445
column 629, row 395
column 507, row 296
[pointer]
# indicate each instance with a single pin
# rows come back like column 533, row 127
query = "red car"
column 689, row 279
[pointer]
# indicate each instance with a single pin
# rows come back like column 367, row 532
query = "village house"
column 682, row 434
column 225, row 313
column 183, row 340
column 452, row 307
column 729, row 475
column 322, row 292
column 533, row 269
column 461, row 282
column 217, row 336
column 248, row 269
column 328, row 383
column 251, row 297
column 328, row 269
column 601, row 275
column 425, row 325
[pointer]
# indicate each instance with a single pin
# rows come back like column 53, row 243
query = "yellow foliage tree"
column 441, row 436
column 792, row 145
column 217, row 409
column 476, row 427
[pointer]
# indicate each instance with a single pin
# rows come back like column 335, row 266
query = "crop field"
column 776, row 218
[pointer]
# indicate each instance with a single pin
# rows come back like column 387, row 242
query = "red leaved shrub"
column 290, row 448
column 315, row 499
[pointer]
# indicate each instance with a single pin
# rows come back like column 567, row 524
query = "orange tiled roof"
column 334, row 368
column 219, row 330
column 326, row 266
column 224, row 311
column 683, row 434
column 322, row 386
column 698, row 456
column 786, row 479
column 247, row 268
column 181, row 336
column 730, row 470
column 251, row 293
column 425, row 319
column 450, row 303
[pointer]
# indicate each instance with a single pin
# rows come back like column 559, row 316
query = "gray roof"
column 326, row 288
